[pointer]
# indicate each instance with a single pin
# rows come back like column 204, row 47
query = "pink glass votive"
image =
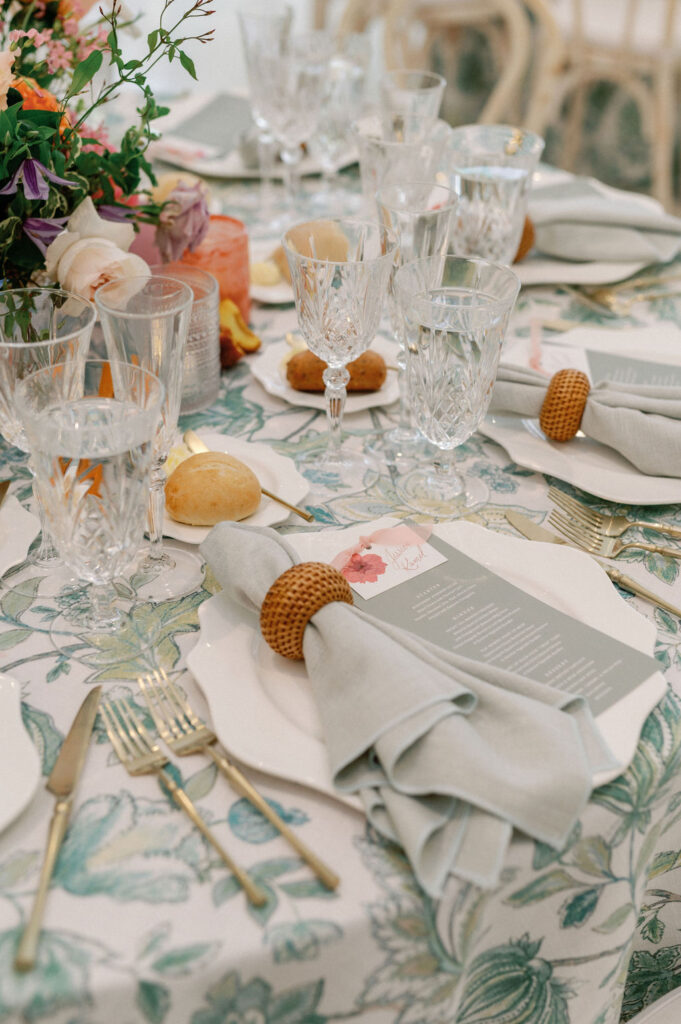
column 224, row 254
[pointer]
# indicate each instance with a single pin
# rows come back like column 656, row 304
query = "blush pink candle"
column 224, row 254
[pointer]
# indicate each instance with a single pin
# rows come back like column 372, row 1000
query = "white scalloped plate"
column 19, row 760
column 274, row 471
column 262, row 706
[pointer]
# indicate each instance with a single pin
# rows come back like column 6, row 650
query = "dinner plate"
column 274, row 471
column 19, row 760
column 262, row 706
column 278, row 294
column 267, row 368
column 583, row 462
column 537, row 269
column 18, row 530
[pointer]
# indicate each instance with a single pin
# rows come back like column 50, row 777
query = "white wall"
column 220, row 63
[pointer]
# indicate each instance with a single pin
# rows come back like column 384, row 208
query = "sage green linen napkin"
column 448, row 755
column 584, row 220
column 641, row 422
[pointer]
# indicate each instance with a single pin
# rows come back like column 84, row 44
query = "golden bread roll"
column 209, row 487
column 321, row 239
column 304, row 372
column 526, row 241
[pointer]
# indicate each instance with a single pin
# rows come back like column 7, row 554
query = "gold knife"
column 196, row 445
column 532, row 531
column 62, row 782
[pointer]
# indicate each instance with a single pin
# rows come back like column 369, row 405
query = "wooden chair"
column 635, row 44
column 412, row 26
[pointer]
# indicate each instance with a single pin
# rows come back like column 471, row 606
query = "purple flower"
column 43, row 230
column 32, row 174
column 119, row 214
column 183, row 223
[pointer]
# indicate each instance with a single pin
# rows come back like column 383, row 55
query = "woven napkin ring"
column 293, row 599
column 561, row 413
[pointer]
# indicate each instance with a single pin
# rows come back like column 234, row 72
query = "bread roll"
column 209, row 487
column 321, row 239
column 304, row 372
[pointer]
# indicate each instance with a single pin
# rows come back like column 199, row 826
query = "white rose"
column 6, row 77
column 86, row 222
column 89, row 263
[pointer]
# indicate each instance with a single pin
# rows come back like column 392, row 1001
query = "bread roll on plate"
column 209, row 487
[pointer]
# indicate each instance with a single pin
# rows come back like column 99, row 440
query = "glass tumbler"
column 201, row 371
column 224, row 254
column 38, row 327
column 490, row 168
column 455, row 316
column 91, row 429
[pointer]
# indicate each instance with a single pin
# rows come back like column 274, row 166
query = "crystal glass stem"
column 103, row 615
column 447, row 481
column 291, row 159
column 266, row 155
column 335, row 393
column 46, row 556
column 155, row 511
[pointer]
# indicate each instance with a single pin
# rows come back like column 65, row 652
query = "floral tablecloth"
column 143, row 924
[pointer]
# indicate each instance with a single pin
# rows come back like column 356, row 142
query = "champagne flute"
column 145, row 322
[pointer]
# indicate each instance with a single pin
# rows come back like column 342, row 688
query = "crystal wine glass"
column 91, row 429
column 145, row 322
column 419, row 214
column 410, row 102
column 340, row 271
column 264, row 26
column 38, row 327
column 455, row 316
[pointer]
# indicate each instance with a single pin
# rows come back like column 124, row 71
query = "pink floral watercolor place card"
column 387, row 558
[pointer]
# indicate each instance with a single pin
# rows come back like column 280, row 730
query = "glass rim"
column 529, row 142
column 355, row 222
column 436, row 80
column 179, row 307
column 490, row 303
column 211, row 280
column 68, row 296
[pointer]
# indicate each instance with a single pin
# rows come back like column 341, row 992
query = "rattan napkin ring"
column 564, row 402
column 293, row 599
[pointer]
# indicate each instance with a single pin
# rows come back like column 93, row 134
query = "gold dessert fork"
column 607, row 525
column 140, row 756
column 596, row 544
column 185, row 733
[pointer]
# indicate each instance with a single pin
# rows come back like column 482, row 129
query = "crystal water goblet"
column 145, row 322
column 91, row 429
column 340, row 270
column 455, row 316
column 490, row 167
column 419, row 214
column 38, row 327
column 411, row 101
column 264, row 26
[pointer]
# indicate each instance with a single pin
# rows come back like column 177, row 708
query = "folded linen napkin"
column 447, row 754
column 584, row 220
column 641, row 422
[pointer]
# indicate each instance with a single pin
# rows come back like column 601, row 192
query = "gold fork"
column 596, row 544
column 140, row 756
column 607, row 525
column 621, row 306
column 185, row 733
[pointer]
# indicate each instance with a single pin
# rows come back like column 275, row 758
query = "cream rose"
column 91, row 262
column 6, row 77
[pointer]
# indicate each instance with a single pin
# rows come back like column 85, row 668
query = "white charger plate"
column 582, row 462
column 18, row 530
column 537, row 269
column 267, row 370
column 274, row 471
column 262, row 707
column 19, row 760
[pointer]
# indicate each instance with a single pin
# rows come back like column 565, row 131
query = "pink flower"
column 183, row 223
column 58, row 57
column 363, row 568
column 70, row 26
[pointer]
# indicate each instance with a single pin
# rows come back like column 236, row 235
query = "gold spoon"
column 196, row 445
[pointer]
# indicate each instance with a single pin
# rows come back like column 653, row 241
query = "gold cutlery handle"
column 28, row 945
column 323, row 872
column 634, row 587
column 195, row 444
column 671, row 531
column 255, row 895
column 655, row 548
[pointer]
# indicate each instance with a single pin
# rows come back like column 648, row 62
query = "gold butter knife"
column 532, row 531
column 196, row 445
column 62, row 782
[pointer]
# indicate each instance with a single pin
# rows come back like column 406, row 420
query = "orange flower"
column 74, row 8
column 37, row 98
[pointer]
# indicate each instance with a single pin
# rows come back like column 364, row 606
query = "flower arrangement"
column 70, row 201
